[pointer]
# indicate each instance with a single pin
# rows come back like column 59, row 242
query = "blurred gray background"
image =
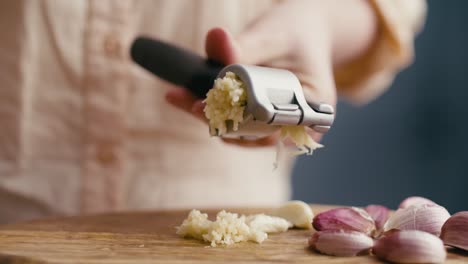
column 413, row 140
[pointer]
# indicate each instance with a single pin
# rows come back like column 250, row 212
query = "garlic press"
column 274, row 96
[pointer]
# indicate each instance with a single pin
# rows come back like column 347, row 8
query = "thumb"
column 221, row 46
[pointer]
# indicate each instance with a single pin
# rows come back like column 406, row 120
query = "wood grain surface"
column 149, row 237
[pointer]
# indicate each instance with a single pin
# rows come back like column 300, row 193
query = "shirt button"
column 112, row 46
column 105, row 154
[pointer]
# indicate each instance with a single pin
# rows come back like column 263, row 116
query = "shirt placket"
column 106, row 84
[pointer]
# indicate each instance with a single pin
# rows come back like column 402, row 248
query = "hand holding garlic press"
column 304, row 37
column 274, row 97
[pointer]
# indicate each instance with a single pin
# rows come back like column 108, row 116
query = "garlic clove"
column 379, row 213
column 455, row 231
column 341, row 243
column 424, row 217
column 267, row 224
column 415, row 200
column 345, row 218
column 410, row 246
column 297, row 212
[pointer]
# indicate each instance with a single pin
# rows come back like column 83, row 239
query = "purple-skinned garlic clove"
column 455, row 231
column 345, row 218
column 379, row 213
column 424, row 217
column 343, row 243
column 415, row 200
column 410, row 246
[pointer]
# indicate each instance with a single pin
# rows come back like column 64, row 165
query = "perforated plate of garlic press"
column 274, row 96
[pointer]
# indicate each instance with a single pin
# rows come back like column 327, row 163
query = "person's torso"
column 84, row 129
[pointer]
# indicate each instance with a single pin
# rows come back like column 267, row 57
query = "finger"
column 220, row 46
column 316, row 136
column 198, row 110
column 181, row 98
column 262, row 142
column 184, row 100
column 319, row 90
column 316, row 95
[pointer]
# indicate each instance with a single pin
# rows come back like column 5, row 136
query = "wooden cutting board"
column 149, row 237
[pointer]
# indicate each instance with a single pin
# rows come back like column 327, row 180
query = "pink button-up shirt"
column 83, row 129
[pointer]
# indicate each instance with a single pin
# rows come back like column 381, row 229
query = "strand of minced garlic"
column 298, row 134
column 227, row 101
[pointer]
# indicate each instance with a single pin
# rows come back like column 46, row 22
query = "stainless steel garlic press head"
column 274, row 96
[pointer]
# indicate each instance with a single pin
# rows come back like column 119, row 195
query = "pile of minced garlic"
column 230, row 228
column 226, row 101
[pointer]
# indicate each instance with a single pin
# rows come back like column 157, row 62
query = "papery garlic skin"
column 410, row 246
column 297, row 212
column 424, row 217
column 379, row 213
column 415, row 200
column 341, row 243
column 455, row 231
column 345, row 218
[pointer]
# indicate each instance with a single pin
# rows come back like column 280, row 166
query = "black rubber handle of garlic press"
column 176, row 65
